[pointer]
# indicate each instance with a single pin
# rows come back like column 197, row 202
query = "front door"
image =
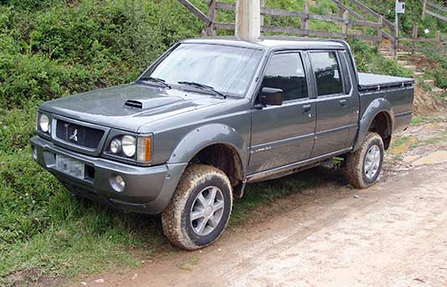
column 283, row 134
column 335, row 103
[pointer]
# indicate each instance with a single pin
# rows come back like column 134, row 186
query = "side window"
column 286, row 72
column 327, row 73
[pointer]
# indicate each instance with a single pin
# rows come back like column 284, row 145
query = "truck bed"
column 369, row 82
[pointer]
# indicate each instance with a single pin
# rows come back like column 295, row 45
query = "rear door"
column 284, row 134
column 335, row 102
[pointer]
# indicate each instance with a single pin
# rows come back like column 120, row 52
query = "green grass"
column 265, row 193
column 416, row 120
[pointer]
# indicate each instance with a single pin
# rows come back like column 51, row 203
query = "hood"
column 127, row 107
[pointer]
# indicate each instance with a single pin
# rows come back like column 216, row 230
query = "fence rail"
column 365, row 9
column 439, row 9
column 346, row 24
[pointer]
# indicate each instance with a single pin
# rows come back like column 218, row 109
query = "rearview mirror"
column 271, row 96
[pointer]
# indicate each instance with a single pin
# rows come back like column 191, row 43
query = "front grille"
column 78, row 135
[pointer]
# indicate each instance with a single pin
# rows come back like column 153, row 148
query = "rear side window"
column 286, row 72
column 327, row 73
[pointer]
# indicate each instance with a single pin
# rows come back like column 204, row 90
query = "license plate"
column 70, row 166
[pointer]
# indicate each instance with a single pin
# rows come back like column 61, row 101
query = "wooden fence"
column 362, row 12
column 345, row 23
column 426, row 10
column 419, row 44
column 351, row 14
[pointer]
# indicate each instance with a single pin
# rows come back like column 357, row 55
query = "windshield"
column 228, row 70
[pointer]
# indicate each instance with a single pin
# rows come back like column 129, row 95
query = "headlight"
column 129, row 146
column 44, row 123
column 115, row 146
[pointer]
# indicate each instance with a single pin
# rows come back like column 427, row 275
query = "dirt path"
column 393, row 234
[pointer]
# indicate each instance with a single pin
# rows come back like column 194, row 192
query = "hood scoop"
column 134, row 104
column 151, row 103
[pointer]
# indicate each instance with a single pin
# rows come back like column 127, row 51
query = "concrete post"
column 248, row 20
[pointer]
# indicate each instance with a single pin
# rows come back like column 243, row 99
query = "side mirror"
column 271, row 96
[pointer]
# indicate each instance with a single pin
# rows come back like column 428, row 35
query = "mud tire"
column 355, row 162
column 176, row 217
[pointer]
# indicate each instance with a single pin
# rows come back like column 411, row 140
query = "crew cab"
column 210, row 116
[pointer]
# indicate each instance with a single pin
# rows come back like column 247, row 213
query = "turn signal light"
column 144, row 149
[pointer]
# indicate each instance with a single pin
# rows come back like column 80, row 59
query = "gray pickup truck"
column 210, row 116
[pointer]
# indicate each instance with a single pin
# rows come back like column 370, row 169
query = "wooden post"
column 211, row 29
column 438, row 40
column 395, row 46
column 345, row 25
column 340, row 8
column 379, row 33
column 305, row 19
column 248, row 20
column 414, row 37
column 424, row 8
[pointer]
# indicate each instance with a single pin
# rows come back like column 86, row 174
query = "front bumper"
column 147, row 190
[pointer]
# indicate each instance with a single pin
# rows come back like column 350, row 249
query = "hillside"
column 53, row 48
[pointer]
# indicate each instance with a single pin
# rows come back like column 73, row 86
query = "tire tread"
column 172, row 215
column 354, row 162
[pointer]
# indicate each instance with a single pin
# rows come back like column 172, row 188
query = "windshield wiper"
column 156, row 80
column 203, row 87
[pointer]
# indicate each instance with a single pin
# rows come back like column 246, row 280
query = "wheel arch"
column 217, row 145
column 379, row 118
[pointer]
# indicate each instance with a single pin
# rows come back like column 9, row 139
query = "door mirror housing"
column 271, row 96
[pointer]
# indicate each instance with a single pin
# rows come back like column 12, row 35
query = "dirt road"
column 393, row 234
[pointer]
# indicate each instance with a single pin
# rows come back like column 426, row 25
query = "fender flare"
column 207, row 135
column 375, row 107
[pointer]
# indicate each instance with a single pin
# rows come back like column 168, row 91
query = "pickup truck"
column 210, row 116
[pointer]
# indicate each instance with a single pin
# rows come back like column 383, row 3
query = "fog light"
column 117, row 182
column 34, row 152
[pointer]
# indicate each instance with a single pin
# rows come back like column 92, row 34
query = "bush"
column 70, row 49
column 441, row 78
column 370, row 61
column 49, row 49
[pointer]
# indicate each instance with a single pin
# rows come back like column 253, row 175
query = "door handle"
column 307, row 108
column 343, row 103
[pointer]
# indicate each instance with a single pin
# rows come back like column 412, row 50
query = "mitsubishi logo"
column 74, row 136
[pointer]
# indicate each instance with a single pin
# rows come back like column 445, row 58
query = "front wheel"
column 364, row 165
column 200, row 208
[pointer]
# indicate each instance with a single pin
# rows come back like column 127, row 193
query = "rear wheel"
column 364, row 165
column 200, row 209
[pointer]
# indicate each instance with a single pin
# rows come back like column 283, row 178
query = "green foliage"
column 441, row 78
column 370, row 61
column 62, row 50
column 412, row 16
column 439, row 71
column 52, row 48
column 16, row 127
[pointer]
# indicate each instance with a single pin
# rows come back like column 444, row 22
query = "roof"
column 273, row 43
